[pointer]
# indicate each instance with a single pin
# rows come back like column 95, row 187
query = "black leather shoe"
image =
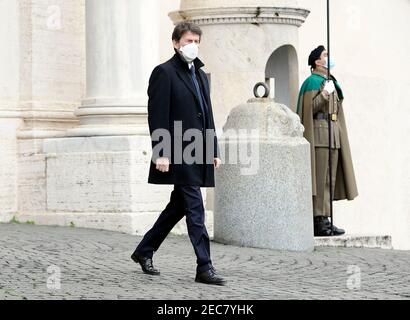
column 146, row 264
column 209, row 277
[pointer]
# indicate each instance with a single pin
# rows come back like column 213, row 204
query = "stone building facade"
column 73, row 131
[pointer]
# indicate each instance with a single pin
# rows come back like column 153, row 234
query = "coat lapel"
column 205, row 88
column 183, row 73
column 185, row 77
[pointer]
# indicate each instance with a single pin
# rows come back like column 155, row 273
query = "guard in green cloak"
column 316, row 96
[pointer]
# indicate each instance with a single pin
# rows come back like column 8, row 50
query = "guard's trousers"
column 321, row 202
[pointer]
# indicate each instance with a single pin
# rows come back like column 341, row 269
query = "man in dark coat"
column 185, row 149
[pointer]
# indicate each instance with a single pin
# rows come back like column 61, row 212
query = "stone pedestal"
column 101, row 182
column 264, row 199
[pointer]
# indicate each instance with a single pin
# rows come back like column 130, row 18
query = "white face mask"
column 189, row 52
column 332, row 63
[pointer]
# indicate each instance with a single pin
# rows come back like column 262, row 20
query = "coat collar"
column 182, row 70
column 324, row 76
column 179, row 62
column 320, row 73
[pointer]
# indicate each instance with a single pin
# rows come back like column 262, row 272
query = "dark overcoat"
column 174, row 104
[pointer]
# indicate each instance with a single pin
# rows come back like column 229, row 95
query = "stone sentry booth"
column 244, row 42
column 80, row 156
column 263, row 190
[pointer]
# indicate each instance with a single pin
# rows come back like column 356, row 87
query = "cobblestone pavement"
column 96, row 264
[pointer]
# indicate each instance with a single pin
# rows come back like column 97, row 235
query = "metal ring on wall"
column 265, row 86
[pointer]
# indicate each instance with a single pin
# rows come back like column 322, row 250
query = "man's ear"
column 318, row 64
column 176, row 44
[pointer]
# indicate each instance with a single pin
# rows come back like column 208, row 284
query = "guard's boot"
column 321, row 229
column 336, row 231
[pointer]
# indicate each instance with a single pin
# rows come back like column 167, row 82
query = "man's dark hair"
column 183, row 27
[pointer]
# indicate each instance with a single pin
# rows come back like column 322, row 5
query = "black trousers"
column 185, row 201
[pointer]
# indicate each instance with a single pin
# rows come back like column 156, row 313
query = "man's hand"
column 162, row 164
column 329, row 87
column 217, row 163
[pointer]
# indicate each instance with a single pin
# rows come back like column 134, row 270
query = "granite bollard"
column 263, row 193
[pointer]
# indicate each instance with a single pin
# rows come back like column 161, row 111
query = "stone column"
column 41, row 84
column 97, row 175
column 121, row 51
column 10, row 117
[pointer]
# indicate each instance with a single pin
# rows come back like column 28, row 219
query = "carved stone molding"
column 242, row 15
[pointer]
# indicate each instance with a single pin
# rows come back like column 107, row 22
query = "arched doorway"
column 282, row 74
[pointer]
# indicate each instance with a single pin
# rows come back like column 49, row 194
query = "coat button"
column 199, row 114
